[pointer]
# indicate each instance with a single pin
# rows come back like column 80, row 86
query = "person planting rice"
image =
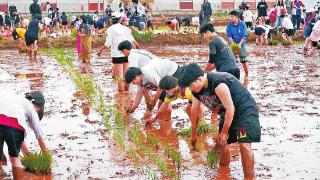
column 173, row 24
column 84, row 40
column 262, row 31
column 115, row 35
column 239, row 115
column 237, row 33
column 148, row 78
column 19, row 34
column 32, row 36
column 173, row 92
column 314, row 38
column 288, row 30
column 16, row 114
column 220, row 55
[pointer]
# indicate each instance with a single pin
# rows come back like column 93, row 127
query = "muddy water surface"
column 285, row 85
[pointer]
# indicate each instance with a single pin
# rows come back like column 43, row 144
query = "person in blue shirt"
column 237, row 33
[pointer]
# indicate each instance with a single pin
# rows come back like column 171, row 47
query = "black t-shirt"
column 262, row 8
column 1, row 20
column 221, row 55
column 242, row 100
column 33, row 29
column 64, row 18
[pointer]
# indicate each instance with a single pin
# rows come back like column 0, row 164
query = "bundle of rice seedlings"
column 39, row 163
column 212, row 159
column 236, row 49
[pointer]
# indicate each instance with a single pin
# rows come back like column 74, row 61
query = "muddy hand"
column 131, row 110
column 223, row 139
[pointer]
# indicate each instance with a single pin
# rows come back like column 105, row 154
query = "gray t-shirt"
column 139, row 58
column 221, row 55
column 154, row 71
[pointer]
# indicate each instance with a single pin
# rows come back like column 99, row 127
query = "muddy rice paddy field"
column 285, row 84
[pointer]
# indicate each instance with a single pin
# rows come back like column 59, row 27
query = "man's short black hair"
column 235, row 13
column 131, row 74
column 190, row 74
column 168, row 82
column 207, row 27
column 125, row 45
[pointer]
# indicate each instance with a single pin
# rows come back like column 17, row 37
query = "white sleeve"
column 33, row 121
column 108, row 38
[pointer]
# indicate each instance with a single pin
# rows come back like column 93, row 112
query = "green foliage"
column 286, row 43
column 236, row 49
column 153, row 139
column 203, row 127
column 38, row 162
column 162, row 28
column 213, row 159
column 186, row 132
column 273, row 42
column 143, row 36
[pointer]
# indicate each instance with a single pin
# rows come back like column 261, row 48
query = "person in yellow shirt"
column 19, row 36
column 173, row 92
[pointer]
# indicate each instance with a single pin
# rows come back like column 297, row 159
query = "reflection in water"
column 36, row 80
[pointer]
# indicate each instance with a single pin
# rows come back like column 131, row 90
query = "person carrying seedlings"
column 115, row 35
column 261, row 31
column 237, row 33
column 239, row 114
column 173, row 92
column 314, row 38
column 148, row 78
column 288, row 28
column 16, row 114
column 84, row 40
column 221, row 57
column 32, row 36
column 19, row 34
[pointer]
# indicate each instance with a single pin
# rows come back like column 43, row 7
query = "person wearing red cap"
column 16, row 114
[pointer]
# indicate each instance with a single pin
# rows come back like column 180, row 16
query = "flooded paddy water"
column 285, row 85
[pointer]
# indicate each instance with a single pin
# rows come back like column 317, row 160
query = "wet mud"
column 285, row 85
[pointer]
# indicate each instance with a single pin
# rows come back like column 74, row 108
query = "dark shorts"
column 259, row 31
column 248, row 129
column 30, row 40
column 235, row 72
column 248, row 24
column 64, row 23
column 243, row 55
column 314, row 44
column 119, row 60
column 13, row 138
column 187, row 24
column 289, row 32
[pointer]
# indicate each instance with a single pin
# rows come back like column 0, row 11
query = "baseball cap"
column 37, row 98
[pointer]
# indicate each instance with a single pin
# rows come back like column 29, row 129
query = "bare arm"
column 194, row 119
column 209, row 67
column 224, row 95
column 137, row 99
column 136, row 45
column 161, row 110
column 155, row 98
column 42, row 145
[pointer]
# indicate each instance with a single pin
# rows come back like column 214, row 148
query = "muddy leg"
column 125, row 68
column 245, row 66
column 119, row 74
column 247, row 159
column 224, row 154
column 214, row 119
column 17, row 173
column 35, row 49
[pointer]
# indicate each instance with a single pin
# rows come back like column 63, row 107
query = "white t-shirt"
column 46, row 21
column 154, row 71
column 95, row 17
column 287, row 23
column 23, row 110
column 247, row 16
column 115, row 35
column 139, row 58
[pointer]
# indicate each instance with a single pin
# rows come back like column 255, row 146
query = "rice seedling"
column 153, row 139
column 212, row 159
column 286, row 43
column 38, row 162
column 117, row 136
column 236, row 49
column 203, row 127
column 273, row 42
column 186, row 132
column 150, row 173
column 143, row 36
